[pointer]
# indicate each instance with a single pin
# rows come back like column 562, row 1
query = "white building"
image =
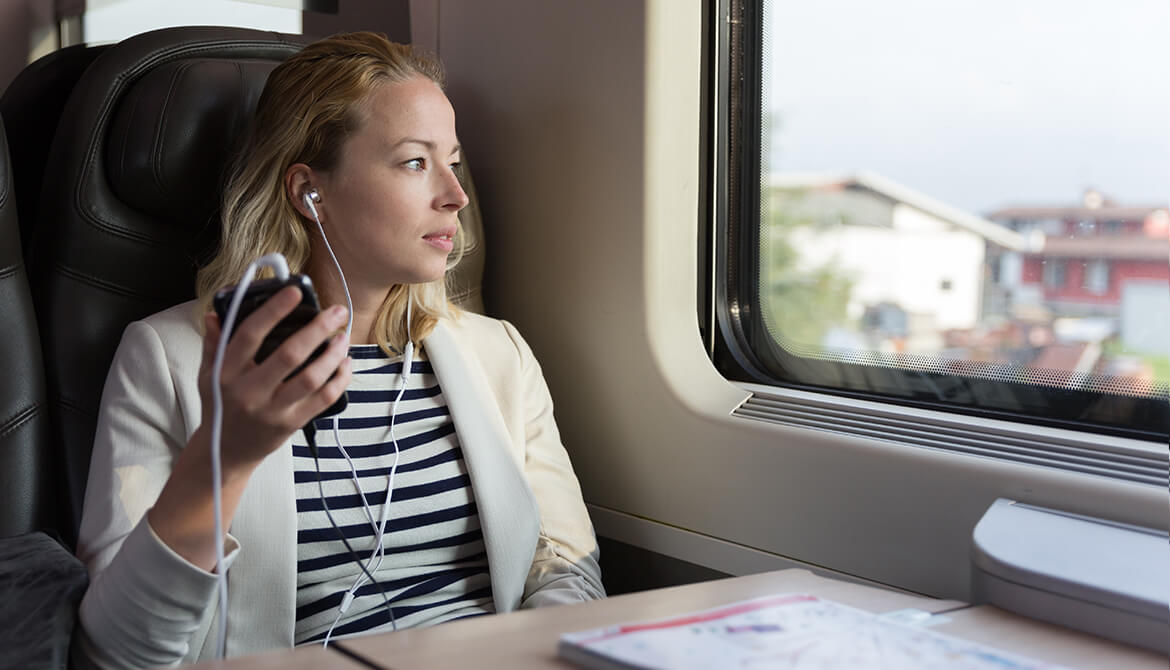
column 902, row 250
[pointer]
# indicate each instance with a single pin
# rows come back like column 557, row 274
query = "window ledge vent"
column 1101, row 455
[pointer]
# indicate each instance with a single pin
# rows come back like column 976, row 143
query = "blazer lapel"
column 507, row 509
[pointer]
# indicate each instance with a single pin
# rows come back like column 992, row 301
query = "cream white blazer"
column 147, row 606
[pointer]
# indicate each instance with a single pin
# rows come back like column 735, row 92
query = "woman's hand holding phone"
column 264, row 403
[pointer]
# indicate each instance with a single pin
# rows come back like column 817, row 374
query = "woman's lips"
column 441, row 241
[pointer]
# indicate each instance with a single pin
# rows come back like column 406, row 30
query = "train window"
column 115, row 20
column 955, row 205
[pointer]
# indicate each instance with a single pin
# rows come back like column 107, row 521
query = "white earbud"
column 312, row 197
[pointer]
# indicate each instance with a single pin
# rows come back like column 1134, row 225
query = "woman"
column 460, row 499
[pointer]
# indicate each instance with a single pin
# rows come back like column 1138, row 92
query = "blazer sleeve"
column 144, row 602
column 565, row 565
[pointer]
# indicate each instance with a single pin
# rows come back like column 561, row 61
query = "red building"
column 1086, row 256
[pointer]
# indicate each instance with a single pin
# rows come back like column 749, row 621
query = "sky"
column 979, row 103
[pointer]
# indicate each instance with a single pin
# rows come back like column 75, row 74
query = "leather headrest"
column 172, row 134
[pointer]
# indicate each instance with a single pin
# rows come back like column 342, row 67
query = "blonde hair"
column 310, row 104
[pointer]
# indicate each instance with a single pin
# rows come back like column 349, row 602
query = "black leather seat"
column 31, row 107
column 129, row 207
column 41, row 581
column 25, row 497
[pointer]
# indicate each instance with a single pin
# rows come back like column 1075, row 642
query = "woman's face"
column 389, row 205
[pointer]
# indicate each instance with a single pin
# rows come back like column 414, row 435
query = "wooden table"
column 528, row 639
column 1047, row 642
column 300, row 658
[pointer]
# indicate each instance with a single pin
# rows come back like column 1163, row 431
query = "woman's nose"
column 453, row 196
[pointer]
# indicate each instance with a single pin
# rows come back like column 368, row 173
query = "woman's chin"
column 425, row 276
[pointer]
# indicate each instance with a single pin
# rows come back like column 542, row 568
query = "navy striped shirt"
column 434, row 567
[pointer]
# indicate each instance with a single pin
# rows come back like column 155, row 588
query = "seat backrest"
column 25, row 503
column 31, row 107
column 130, row 204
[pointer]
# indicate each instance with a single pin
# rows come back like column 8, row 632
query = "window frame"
column 733, row 325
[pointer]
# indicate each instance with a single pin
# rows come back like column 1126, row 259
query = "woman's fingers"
column 265, row 402
column 325, row 395
column 294, row 351
column 301, row 388
column 248, row 334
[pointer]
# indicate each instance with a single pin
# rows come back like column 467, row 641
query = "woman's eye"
column 415, row 164
column 455, row 166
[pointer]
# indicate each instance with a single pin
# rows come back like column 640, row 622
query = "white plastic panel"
column 1102, row 577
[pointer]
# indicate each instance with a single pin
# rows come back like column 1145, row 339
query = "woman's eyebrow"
column 430, row 146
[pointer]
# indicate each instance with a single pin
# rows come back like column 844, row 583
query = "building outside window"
column 913, row 235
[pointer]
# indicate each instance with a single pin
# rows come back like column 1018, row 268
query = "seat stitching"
column 161, row 130
column 102, row 284
column 21, row 417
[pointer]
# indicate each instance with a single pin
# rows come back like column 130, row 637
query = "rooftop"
column 1066, row 212
column 898, row 193
column 1128, row 247
column 1094, row 205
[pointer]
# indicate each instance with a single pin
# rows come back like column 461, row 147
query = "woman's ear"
column 298, row 182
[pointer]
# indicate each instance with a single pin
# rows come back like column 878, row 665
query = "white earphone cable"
column 280, row 266
column 309, row 200
column 379, row 552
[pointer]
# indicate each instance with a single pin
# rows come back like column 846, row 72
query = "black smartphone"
column 263, row 289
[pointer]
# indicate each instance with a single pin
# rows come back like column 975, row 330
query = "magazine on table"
column 782, row 631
